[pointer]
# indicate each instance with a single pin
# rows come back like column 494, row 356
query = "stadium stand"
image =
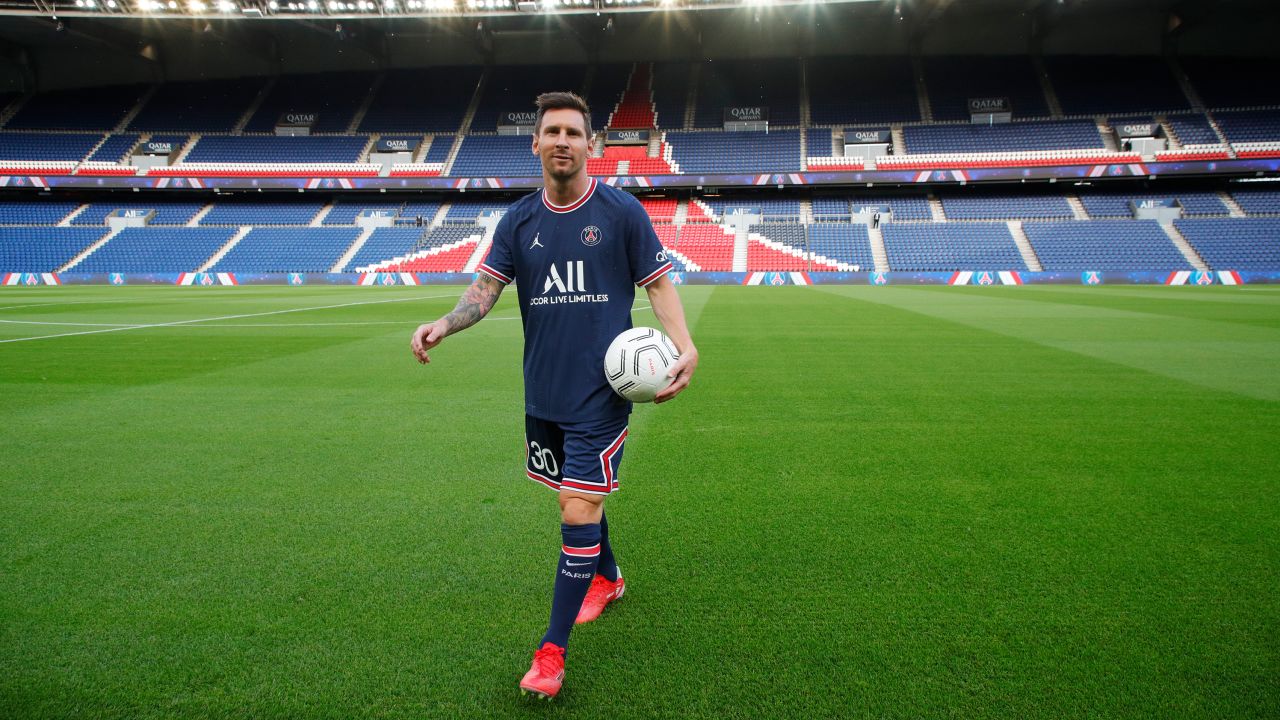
column 201, row 106
column 240, row 213
column 1005, row 207
column 1250, row 126
column 43, row 249
column 467, row 211
column 386, row 244
column 710, row 247
column 512, row 88
column 35, row 212
column 144, row 250
column 607, row 88
column 287, row 250
column 1103, row 245
column 660, row 209
column 417, row 101
column 742, row 152
column 861, row 91
column 442, row 249
column 92, row 108
column 334, row 97
column 115, row 147
column 414, row 209
column 773, row 209
column 842, row 242
column 951, row 246
column 773, row 84
column 670, row 93
column 903, row 207
column 496, row 156
column 1002, row 137
column 168, row 212
column 1234, row 243
column 1107, row 85
column 1120, row 204
column 1228, row 82
column 1258, row 202
column 636, row 108
column 1193, row 129
column 69, row 147
column 257, row 149
column 952, row 81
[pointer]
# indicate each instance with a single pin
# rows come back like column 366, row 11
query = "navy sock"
column 577, row 566
column 608, row 567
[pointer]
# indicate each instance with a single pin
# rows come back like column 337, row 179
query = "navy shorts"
column 578, row 456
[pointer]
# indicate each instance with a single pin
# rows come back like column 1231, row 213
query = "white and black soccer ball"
column 637, row 363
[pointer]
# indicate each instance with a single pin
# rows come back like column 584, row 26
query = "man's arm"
column 666, row 305
column 474, row 304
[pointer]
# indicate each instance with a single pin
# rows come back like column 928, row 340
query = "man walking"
column 577, row 250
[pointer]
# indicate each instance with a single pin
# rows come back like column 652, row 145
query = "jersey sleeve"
column 648, row 258
column 500, row 262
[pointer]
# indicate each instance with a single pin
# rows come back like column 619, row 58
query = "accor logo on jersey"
column 569, row 286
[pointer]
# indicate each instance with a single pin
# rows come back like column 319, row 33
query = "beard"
column 560, row 172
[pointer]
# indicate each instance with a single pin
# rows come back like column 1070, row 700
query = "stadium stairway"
column 263, row 94
column 1184, row 247
column 71, row 216
column 1233, row 207
column 878, row 253
column 195, row 219
column 1051, row 100
column 318, row 220
column 1024, row 246
column 79, row 258
column 935, row 209
column 1077, row 207
column 359, row 242
column 222, row 251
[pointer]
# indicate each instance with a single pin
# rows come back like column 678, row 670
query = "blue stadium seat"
column 1002, row 137
column 262, row 149
column 147, row 250
column 951, row 246
column 736, row 152
column 43, row 249
column 843, row 242
column 35, row 212
column 269, row 250
column 1080, row 245
column 1235, row 243
column 261, row 213
column 1004, row 207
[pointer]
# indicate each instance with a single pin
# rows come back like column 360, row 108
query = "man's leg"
column 608, row 567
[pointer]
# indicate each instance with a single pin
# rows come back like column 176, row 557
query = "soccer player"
column 576, row 250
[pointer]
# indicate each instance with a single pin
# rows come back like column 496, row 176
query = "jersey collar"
column 591, row 188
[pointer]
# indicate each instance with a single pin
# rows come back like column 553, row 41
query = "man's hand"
column 682, row 372
column 426, row 337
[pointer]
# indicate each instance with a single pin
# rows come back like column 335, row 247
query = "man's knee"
column 580, row 508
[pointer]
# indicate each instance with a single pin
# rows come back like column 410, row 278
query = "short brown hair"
column 558, row 101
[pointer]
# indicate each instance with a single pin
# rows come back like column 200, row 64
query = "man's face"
column 562, row 143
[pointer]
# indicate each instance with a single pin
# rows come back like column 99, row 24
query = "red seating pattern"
column 763, row 257
column 707, row 245
column 636, row 109
column 660, row 209
column 451, row 260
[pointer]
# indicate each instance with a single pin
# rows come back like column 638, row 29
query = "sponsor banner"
column 1139, row 129
column 746, row 113
column 388, row 278
column 857, row 136
column 985, row 277
column 206, row 279
column 627, row 137
column 987, row 105
column 628, row 181
column 31, row 279
column 23, row 181
column 398, row 144
column 297, row 279
column 777, row 278
column 960, row 176
column 517, row 119
column 1155, row 203
column 116, row 279
column 1091, row 277
column 177, row 182
column 1189, row 277
column 155, row 148
column 1229, row 277
column 780, row 179
column 329, row 183
column 298, row 119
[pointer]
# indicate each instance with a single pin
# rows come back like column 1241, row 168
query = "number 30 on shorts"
column 543, row 460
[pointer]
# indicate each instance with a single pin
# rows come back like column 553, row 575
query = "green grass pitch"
column 897, row 502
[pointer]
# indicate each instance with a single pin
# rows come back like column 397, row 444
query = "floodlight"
column 226, row 6
column 196, row 6
column 111, row 4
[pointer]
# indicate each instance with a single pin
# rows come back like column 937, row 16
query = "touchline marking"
column 224, row 317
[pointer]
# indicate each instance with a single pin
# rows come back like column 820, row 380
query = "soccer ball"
column 637, row 362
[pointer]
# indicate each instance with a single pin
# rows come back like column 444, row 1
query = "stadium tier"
column 1104, row 245
column 95, row 108
column 1094, row 85
column 150, row 250
column 735, row 152
column 1250, row 126
column 953, row 81
column 262, row 213
column 1193, row 130
column 115, row 147
column 495, row 156
column 43, row 249
column 63, row 147
column 345, row 213
column 332, row 97
column 513, row 89
column 35, row 212
column 607, row 87
column 203, row 106
column 772, row 84
column 842, row 242
column 1006, row 137
column 259, row 149
column 861, row 91
column 1258, row 202
column 949, row 246
column 281, row 250
column 1120, row 204
column 670, row 93
column 442, row 249
column 1229, row 82
column 415, row 101
column 1235, row 243
column 1008, row 207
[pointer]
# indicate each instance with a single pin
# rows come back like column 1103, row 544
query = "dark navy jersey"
column 576, row 268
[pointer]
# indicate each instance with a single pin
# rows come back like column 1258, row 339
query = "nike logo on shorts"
column 574, row 564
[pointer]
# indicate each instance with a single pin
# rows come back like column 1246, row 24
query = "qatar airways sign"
column 746, row 113
column 398, row 145
column 879, row 136
column 297, row 119
column 980, row 106
column 1138, row 129
column 627, row 137
column 157, row 148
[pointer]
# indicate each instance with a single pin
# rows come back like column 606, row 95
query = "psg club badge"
column 591, row 235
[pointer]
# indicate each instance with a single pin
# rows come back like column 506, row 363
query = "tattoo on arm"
column 474, row 304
